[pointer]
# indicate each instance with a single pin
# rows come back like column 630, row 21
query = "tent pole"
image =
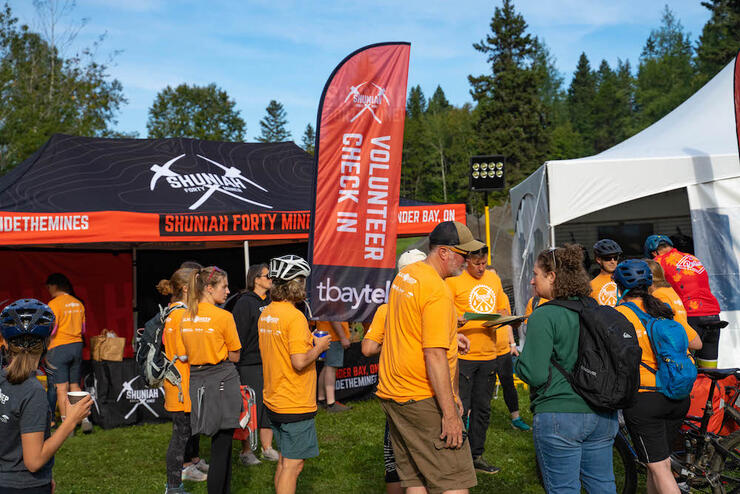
column 246, row 258
column 133, row 302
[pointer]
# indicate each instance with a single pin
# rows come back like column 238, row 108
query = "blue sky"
column 258, row 50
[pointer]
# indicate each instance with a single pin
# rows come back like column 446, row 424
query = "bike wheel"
column 727, row 467
column 625, row 466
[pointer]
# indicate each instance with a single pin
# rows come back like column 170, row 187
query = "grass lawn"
column 132, row 459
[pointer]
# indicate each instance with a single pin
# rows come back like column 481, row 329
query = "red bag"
column 732, row 387
column 248, row 418
column 699, row 395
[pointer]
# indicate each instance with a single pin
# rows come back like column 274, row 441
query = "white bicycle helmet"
column 288, row 267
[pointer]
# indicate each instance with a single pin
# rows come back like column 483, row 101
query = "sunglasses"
column 264, row 276
column 614, row 257
column 463, row 253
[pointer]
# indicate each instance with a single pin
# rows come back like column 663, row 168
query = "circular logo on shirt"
column 608, row 294
column 482, row 299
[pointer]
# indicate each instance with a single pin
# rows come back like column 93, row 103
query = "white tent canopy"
column 694, row 148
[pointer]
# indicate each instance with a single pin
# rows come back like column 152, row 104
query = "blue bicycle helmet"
column 26, row 317
column 653, row 241
column 606, row 247
column 633, row 273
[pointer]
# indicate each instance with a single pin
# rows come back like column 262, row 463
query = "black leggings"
column 505, row 371
column 176, row 450
column 219, row 473
column 44, row 489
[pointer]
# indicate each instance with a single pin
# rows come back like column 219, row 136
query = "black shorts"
column 251, row 375
column 653, row 423
column 709, row 339
column 66, row 361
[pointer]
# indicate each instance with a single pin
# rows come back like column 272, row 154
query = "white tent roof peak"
column 695, row 143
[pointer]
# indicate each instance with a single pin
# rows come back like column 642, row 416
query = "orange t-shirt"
column 482, row 296
column 70, row 320
column 647, row 378
column 210, row 336
column 528, row 309
column 326, row 326
column 670, row 297
column 376, row 331
column 604, row 290
column 421, row 314
column 173, row 346
column 283, row 331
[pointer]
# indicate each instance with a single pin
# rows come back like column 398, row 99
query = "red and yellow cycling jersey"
column 687, row 276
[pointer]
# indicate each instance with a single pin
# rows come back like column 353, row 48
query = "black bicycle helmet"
column 26, row 317
column 633, row 273
column 286, row 268
column 606, row 247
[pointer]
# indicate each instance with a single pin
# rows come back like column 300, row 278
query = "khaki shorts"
column 421, row 456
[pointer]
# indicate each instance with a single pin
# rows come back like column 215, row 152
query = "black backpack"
column 607, row 371
column 151, row 360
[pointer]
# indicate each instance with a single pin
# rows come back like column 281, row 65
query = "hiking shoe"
column 337, row 407
column 321, row 403
column 270, row 454
column 482, row 466
column 192, row 473
column 175, row 490
column 518, row 423
column 202, row 465
column 248, row 459
column 86, row 426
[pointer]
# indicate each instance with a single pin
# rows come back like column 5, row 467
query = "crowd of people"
column 439, row 366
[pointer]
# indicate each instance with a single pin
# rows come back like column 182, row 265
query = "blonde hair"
column 199, row 280
column 292, row 291
column 656, row 269
column 176, row 284
column 24, row 358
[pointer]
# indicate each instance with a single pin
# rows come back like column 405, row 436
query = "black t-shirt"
column 23, row 410
column 246, row 314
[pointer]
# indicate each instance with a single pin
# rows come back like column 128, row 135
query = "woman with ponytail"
column 183, row 462
column 573, row 442
column 212, row 345
column 654, row 419
column 27, row 446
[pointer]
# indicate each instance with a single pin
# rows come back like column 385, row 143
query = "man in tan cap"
column 418, row 377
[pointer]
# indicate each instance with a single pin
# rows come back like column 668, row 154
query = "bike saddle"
column 714, row 324
column 717, row 374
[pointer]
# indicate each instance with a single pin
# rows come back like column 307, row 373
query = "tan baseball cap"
column 455, row 234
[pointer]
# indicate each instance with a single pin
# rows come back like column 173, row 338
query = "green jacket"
column 551, row 331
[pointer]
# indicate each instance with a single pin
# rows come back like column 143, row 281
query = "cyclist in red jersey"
column 688, row 277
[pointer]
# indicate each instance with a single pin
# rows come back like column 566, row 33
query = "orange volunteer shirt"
column 421, row 314
column 70, row 320
column 283, row 331
column 528, row 309
column 647, row 378
column 670, row 297
column 173, row 346
column 376, row 331
column 210, row 336
column 482, row 296
column 604, row 290
column 326, row 326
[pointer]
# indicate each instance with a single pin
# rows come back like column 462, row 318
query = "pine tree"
column 273, row 125
column 719, row 40
column 309, row 139
column 665, row 73
column 415, row 153
column 581, row 96
column 511, row 117
column 438, row 102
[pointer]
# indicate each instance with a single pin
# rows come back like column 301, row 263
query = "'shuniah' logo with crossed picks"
column 482, row 299
column 608, row 294
column 229, row 181
column 367, row 102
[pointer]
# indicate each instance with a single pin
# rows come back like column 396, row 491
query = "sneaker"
column 192, row 473
column 337, row 407
column 321, row 403
column 248, row 459
column 518, row 423
column 87, row 426
column 175, row 490
column 202, row 465
column 270, row 454
column 482, row 466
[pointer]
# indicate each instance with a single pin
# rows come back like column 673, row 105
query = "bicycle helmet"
column 606, row 247
column 410, row 257
column 633, row 273
column 26, row 317
column 653, row 242
column 286, row 268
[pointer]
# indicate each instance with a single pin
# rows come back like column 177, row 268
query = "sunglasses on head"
column 215, row 269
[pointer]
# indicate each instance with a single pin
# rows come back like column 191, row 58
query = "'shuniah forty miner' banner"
column 352, row 241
